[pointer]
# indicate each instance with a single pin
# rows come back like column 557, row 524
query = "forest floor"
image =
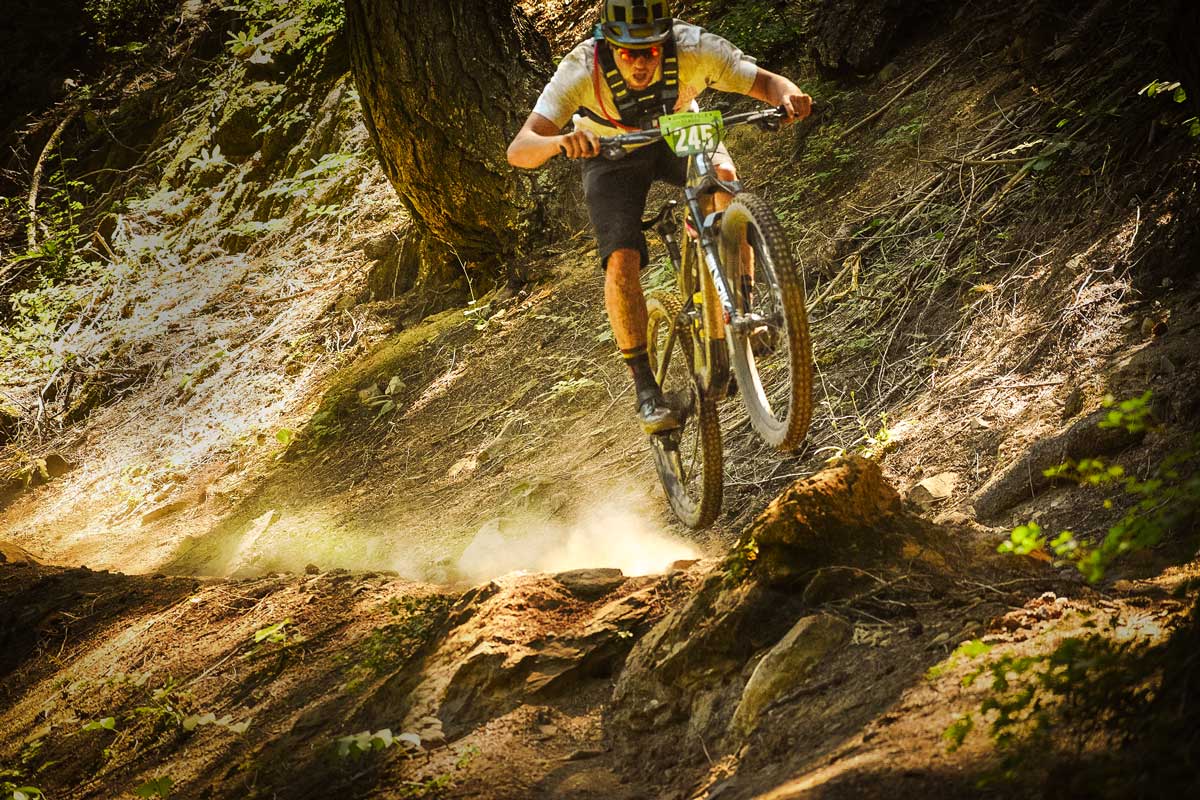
column 315, row 516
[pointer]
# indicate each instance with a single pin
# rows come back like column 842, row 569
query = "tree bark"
column 444, row 86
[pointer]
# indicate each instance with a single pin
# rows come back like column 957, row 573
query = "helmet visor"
column 637, row 34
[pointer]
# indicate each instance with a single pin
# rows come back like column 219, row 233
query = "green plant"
column 208, row 159
column 157, row 787
column 1166, row 500
column 357, row 745
column 11, row 791
column 1178, row 95
column 107, row 724
column 116, row 24
column 254, row 228
column 167, row 702
column 903, row 134
column 280, row 633
column 194, row 721
column 741, row 561
column 571, row 387
column 1092, row 685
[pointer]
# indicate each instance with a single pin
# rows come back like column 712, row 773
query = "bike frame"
column 714, row 296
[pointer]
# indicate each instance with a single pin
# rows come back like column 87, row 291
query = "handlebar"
column 613, row 147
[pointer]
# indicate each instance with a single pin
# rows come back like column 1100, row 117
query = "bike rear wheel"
column 775, row 382
column 688, row 459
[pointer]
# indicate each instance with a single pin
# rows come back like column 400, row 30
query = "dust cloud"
column 615, row 533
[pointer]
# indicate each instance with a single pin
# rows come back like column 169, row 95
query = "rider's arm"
column 539, row 140
column 777, row 90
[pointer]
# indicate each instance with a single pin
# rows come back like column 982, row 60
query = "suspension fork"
column 667, row 231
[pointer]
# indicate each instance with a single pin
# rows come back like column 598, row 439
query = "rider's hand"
column 797, row 104
column 580, row 144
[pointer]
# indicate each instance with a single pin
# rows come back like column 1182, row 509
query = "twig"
column 1006, row 386
column 903, row 91
column 301, row 293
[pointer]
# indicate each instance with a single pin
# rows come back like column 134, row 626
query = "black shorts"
column 616, row 195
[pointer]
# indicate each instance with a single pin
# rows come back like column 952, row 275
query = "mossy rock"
column 238, row 130
column 388, row 355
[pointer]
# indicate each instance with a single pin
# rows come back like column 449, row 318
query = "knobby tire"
column 693, row 484
column 779, row 414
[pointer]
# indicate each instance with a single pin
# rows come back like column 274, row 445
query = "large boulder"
column 786, row 666
column 769, row 620
column 497, row 653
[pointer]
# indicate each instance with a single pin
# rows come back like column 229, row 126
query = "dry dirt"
column 393, row 489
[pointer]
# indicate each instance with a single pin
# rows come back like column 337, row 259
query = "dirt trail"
column 336, row 513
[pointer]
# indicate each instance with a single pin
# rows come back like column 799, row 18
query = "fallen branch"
column 35, row 183
column 903, row 91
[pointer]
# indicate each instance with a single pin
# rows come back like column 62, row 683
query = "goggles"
column 630, row 55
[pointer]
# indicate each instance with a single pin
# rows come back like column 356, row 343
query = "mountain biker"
column 640, row 64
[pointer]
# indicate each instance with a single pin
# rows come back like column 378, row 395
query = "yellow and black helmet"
column 635, row 23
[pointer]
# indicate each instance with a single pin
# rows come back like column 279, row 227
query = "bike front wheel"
column 688, row 459
column 772, row 352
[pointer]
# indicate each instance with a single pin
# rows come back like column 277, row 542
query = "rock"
column 1072, row 404
column 12, row 554
column 683, row 564
column 931, row 491
column 1022, row 479
column 368, row 393
column 583, row 754
column 888, row 71
column 312, row 569
column 167, row 509
column 432, row 737
column 484, row 667
column 839, row 513
column 591, row 584
column 787, row 665
column 57, row 466
column 238, row 133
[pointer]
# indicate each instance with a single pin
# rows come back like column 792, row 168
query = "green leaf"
column 272, row 632
column 107, row 724
column 1041, row 164
column 158, row 787
column 1180, row 95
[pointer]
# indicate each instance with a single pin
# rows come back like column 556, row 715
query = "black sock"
column 643, row 377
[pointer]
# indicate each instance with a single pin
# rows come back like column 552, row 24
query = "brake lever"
column 612, row 151
column 771, row 120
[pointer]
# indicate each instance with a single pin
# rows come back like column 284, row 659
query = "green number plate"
column 693, row 132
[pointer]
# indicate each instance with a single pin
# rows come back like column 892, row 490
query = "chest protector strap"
column 641, row 110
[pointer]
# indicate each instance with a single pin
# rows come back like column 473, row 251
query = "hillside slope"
column 308, row 484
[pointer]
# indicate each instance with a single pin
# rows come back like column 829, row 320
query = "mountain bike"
column 757, row 321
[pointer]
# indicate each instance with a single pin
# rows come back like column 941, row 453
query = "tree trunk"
column 444, row 86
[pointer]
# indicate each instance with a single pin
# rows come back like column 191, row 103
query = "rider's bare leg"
column 624, row 300
column 626, row 307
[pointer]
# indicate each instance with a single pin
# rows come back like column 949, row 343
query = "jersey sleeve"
column 726, row 68
column 566, row 91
